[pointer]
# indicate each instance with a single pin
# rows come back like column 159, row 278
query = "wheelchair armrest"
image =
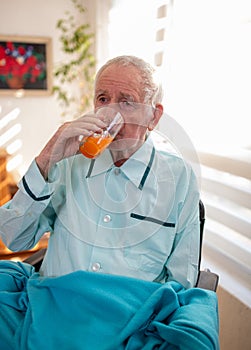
column 207, row 280
column 36, row 259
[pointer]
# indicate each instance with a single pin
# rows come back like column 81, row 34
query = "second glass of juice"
column 92, row 146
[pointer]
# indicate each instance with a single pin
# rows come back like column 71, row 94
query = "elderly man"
column 132, row 211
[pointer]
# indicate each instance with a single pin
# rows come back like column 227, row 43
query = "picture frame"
column 25, row 66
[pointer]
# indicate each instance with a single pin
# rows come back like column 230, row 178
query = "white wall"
column 39, row 116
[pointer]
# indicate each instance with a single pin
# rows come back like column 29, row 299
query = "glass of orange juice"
column 92, row 146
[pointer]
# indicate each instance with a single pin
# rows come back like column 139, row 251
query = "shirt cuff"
column 34, row 185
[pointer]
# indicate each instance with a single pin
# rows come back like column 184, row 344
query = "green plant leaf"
column 76, row 43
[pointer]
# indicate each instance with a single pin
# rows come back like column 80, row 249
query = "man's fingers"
column 84, row 126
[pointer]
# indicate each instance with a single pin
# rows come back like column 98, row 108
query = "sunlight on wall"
column 8, row 117
column 9, row 133
column 14, row 146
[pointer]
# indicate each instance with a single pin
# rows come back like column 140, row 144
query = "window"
column 208, row 85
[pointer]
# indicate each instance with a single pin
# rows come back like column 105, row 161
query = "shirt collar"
column 136, row 168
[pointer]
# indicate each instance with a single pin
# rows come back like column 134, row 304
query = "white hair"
column 152, row 89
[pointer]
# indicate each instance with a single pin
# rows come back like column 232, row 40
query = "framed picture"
column 25, row 65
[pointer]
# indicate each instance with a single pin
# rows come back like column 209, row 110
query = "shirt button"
column 107, row 218
column 96, row 267
column 117, row 171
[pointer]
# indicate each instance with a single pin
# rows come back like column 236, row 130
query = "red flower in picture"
column 21, row 61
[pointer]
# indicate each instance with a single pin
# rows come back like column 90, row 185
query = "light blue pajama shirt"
column 139, row 220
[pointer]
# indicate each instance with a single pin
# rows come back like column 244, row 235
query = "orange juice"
column 93, row 145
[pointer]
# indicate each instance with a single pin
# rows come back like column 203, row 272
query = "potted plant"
column 76, row 72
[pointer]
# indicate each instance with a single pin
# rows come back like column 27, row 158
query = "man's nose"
column 113, row 103
column 113, row 100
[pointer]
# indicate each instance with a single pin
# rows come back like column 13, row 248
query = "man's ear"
column 157, row 113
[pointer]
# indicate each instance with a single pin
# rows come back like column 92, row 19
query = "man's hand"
column 65, row 142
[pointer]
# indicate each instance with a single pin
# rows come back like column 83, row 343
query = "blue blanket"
column 88, row 311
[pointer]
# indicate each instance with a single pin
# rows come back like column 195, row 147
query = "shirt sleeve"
column 28, row 215
column 182, row 264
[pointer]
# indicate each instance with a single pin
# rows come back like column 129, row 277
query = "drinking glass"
column 92, row 146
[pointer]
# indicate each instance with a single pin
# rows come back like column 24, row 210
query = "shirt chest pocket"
column 151, row 254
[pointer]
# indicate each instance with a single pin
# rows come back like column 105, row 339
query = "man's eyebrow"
column 100, row 92
column 121, row 94
column 127, row 96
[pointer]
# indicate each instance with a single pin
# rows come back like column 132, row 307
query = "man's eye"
column 102, row 99
column 127, row 105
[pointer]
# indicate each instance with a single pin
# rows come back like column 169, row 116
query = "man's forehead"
column 120, row 73
column 124, row 81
